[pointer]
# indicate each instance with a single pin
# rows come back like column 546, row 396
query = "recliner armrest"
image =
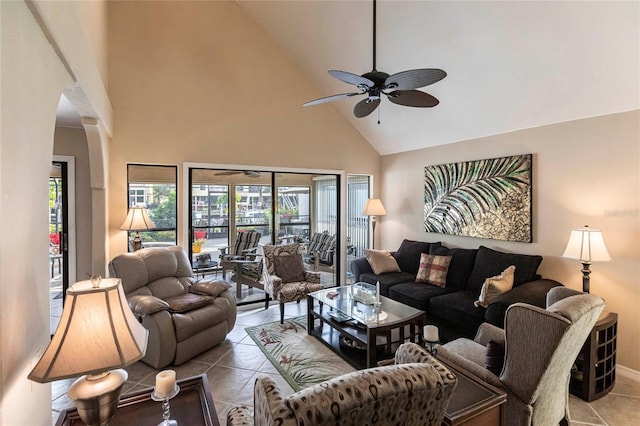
column 360, row 266
column 146, row 305
column 533, row 293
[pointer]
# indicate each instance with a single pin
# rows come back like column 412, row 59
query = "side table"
column 192, row 406
column 595, row 374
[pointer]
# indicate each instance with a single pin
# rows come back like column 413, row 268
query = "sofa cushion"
column 495, row 286
column 408, row 255
column 489, row 263
column 461, row 265
column 458, row 309
column 388, row 280
column 381, row 261
column 416, row 295
column 433, row 269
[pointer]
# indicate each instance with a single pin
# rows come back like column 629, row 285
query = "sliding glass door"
column 285, row 207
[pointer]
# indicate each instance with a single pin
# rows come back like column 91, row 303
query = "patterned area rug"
column 301, row 359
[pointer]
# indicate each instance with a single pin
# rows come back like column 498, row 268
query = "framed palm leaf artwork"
column 484, row 199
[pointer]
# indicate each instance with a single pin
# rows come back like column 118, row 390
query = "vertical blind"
column 357, row 225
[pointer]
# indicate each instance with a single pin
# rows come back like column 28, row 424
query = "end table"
column 596, row 364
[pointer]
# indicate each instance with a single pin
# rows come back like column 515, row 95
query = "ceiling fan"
column 247, row 173
column 399, row 88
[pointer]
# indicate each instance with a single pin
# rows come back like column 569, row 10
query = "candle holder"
column 429, row 346
column 166, row 416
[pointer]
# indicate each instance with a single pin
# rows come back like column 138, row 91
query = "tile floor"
column 233, row 365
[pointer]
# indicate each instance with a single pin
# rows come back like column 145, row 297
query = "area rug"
column 301, row 359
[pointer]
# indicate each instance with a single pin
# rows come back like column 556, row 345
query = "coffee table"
column 353, row 331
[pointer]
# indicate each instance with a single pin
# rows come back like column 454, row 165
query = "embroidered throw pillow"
column 495, row 286
column 381, row 261
column 433, row 269
column 290, row 269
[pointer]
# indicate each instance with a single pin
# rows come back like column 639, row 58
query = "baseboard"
column 628, row 372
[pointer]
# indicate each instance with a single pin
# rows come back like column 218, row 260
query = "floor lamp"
column 374, row 208
column 586, row 245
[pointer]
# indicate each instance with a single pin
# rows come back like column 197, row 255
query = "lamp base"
column 97, row 396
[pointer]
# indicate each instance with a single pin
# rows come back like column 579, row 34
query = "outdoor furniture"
column 540, row 347
column 287, row 281
column 184, row 318
column 412, row 392
column 321, row 250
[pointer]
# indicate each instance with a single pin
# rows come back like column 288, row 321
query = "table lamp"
column 374, row 208
column 137, row 220
column 586, row 245
column 97, row 336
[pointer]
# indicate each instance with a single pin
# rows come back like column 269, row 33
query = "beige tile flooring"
column 232, row 367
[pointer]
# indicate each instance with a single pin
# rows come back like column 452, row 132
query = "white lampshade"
column 137, row 220
column 587, row 245
column 374, row 207
column 97, row 332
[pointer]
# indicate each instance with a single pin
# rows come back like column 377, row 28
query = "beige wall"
column 32, row 79
column 585, row 172
column 73, row 142
column 216, row 91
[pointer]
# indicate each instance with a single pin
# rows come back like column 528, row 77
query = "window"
column 155, row 187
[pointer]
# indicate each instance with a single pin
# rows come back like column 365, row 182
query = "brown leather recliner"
column 184, row 317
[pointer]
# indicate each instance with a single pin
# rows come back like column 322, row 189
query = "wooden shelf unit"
column 596, row 364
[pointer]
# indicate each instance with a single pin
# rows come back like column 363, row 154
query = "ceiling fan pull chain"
column 379, row 114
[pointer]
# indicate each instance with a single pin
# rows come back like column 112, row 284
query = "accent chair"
column 413, row 392
column 284, row 277
column 540, row 348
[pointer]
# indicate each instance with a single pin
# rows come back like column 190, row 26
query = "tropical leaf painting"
column 484, row 199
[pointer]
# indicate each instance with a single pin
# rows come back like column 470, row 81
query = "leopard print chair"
column 415, row 391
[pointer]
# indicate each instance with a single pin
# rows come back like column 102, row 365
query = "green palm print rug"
column 301, row 359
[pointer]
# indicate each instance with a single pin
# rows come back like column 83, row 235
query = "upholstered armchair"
column 184, row 317
column 284, row 277
column 540, row 347
column 413, row 392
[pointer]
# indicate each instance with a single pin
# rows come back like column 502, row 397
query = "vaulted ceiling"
column 510, row 65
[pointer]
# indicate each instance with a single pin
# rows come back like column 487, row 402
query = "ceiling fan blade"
column 365, row 107
column 413, row 98
column 347, row 77
column 228, row 173
column 330, row 98
column 412, row 79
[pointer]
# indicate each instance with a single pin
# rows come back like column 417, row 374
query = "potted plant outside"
column 196, row 246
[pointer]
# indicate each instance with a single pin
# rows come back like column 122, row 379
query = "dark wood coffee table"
column 346, row 318
column 193, row 406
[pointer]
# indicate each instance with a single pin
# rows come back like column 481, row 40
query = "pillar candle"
column 431, row 333
column 165, row 383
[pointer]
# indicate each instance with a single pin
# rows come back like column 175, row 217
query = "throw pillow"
column 409, row 252
column 495, row 286
column 290, row 269
column 187, row 302
column 494, row 358
column 433, row 269
column 460, row 267
column 381, row 261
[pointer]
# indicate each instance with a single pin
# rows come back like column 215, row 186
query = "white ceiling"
column 511, row 65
